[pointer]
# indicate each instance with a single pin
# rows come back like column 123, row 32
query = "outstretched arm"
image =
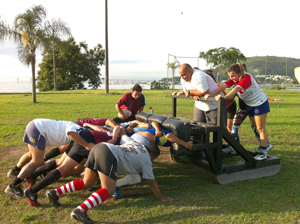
column 175, row 139
column 158, row 132
column 155, row 189
column 77, row 138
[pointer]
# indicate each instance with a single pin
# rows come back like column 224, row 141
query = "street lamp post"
column 106, row 51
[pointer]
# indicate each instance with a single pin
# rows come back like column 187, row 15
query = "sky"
column 143, row 35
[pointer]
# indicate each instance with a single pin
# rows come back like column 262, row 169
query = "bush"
column 278, row 87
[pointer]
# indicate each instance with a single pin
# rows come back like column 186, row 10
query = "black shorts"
column 101, row 159
column 242, row 104
column 231, row 110
column 78, row 152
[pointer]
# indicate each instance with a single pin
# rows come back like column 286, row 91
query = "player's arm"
column 155, row 189
column 94, row 127
column 111, row 123
column 158, row 132
column 77, row 138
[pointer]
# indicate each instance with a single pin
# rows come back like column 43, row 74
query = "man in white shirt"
column 197, row 83
column 38, row 134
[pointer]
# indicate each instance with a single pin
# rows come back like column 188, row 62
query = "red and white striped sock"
column 96, row 198
column 75, row 185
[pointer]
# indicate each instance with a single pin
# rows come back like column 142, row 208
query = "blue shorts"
column 259, row 110
column 33, row 137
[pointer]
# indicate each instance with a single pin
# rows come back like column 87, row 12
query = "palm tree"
column 32, row 30
column 56, row 30
column 173, row 66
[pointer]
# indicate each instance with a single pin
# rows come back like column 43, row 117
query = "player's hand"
column 158, row 133
column 218, row 97
column 206, row 96
column 174, row 94
column 198, row 98
column 166, row 198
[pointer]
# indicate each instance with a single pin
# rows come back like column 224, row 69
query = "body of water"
column 10, row 87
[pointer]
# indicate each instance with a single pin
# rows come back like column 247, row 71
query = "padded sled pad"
column 143, row 116
column 178, row 128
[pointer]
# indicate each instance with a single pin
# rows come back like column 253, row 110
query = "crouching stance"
column 107, row 161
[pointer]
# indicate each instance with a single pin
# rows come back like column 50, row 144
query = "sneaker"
column 15, row 191
column 229, row 150
column 53, row 198
column 31, row 181
column 12, row 174
column 32, row 198
column 261, row 156
column 116, row 195
column 260, row 150
column 81, row 216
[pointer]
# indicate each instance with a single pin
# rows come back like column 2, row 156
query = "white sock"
column 129, row 179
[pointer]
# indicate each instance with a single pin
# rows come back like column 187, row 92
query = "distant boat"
column 297, row 73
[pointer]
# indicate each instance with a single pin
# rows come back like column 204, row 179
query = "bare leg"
column 24, row 160
column 107, row 183
column 77, row 170
column 36, row 161
column 260, row 121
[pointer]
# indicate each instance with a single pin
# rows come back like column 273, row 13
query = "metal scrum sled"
column 208, row 143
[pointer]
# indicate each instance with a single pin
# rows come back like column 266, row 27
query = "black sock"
column 52, row 153
column 16, row 181
column 50, row 165
column 17, row 169
column 51, row 177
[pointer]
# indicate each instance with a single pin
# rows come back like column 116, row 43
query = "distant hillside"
column 275, row 65
column 256, row 66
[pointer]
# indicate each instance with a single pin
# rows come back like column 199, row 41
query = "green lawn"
column 197, row 199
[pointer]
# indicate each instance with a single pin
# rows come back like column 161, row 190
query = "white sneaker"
column 229, row 150
column 260, row 150
column 261, row 156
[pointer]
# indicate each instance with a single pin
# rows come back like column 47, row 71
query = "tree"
column 159, row 85
column 75, row 64
column 222, row 57
column 173, row 66
column 57, row 29
column 32, row 30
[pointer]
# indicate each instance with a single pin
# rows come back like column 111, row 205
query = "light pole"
column 106, row 51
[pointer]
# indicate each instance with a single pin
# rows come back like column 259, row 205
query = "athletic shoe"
column 116, row 195
column 12, row 174
column 229, row 150
column 260, row 150
column 32, row 198
column 261, row 156
column 81, row 216
column 15, row 191
column 31, row 181
column 53, row 198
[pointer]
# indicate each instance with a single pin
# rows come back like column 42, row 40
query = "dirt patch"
column 15, row 153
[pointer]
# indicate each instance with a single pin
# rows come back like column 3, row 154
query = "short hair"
column 237, row 68
column 153, row 148
column 137, row 88
column 186, row 67
column 118, row 120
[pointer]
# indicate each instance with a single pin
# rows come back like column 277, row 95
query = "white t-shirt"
column 202, row 82
column 56, row 132
column 132, row 158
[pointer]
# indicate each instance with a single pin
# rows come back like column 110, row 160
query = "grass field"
column 197, row 199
